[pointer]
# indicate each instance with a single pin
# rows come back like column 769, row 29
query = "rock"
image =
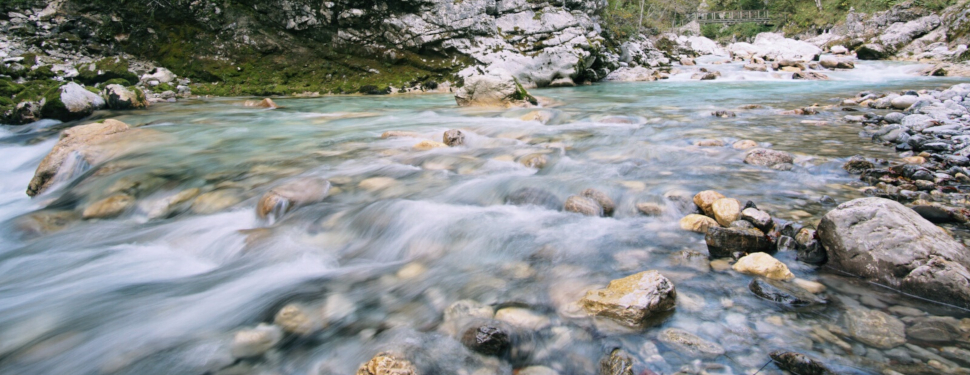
column 809, row 76
column 468, row 309
column 294, row 318
column 453, row 137
column 387, row 364
column 535, row 197
column 109, row 207
column 857, row 164
column 797, row 363
column 376, row 183
column 697, row 223
column 808, row 248
column 689, row 344
column 726, row 211
column 762, row 264
column 934, row 329
column 82, row 140
column 723, row 114
column 617, row 363
column 829, row 62
column 756, row 67
column 709, row 143
column 874, row 328
column 537, row 370
column 773, row 159
column 783, row 293
column 119, row 97
column 744, row 144
column 215, row 201
column 839, row 50
column 633, row 299
column 705, row 199
column 813, row 287
column 428, row 145
column 71, row 102
column 23, row 113
column 495, row 88
column 882, row 240
column 159, row 74
column 651, row 209
column 735, row 242
column 602, row 199
column 106, row 69
column 256, row 341
column 290, row 195
column 903, row 102
column 758, row 218
column 523, row 318
column 265, row 103
column 486, row 339
column 399, row 134
column 871, row 52
column 537, row 161
column 583, row 205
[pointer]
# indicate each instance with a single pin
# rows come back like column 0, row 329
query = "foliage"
column 741, row 31
column 622, row 18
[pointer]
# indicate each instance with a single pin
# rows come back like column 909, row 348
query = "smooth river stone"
column 387, row 364
column 689, row 344
column 632, row 299
column 602, row 199
column 109, row 207
column 705, row 199
column 875, row 328
column 697, row 223
column 583, row 205
column 762, row 264
column 726, row 211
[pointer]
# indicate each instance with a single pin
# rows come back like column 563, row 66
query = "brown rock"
column 705, row 199
column 762, row 264
column 109, row 207
column 399, row 133
column 537, row 161
column 265, row 103
column 583, row 205
column 453, row 137
column 293, row 194
column 697, row 223
column 650, row 209
column 726, row 211
column 709, row 143
column 744, row 144
column 81, row 139
column 387, row 364
column 632, row 299
column 428, row 145
column 600, row 197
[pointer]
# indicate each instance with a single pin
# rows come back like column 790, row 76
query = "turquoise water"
column 143, row 293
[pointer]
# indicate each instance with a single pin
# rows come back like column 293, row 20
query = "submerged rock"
column 602, row 199
column 875, row 328
column 537, row 161
column 632, row 299
column 486, row 339
column 387, row 364
column 783, row 293
column 773, row 159
column 428, row 145
column 294, row 318
column 689, row 344
column 265, row 103
column 762, row 264
column 797, row 363
column 617, row 363
column 535, row 197
column 109, row 207
column 256, row 341
column 81, row 141
column 583, row 205
column 453, row 137
column 290, row 195
column 882, row 240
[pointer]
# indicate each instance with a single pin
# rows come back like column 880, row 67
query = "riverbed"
column 406, row 233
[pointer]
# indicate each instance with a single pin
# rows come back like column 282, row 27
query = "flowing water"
column 162, row 292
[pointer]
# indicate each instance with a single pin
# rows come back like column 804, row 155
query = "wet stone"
column 537, row 161
column 933, row 329
column 534, row 197
column 760, row 219
column 762, row 264
column 726, row 211
column 783, row 293
column 697, row 223
column 632, row 299
column 689, row 344
column 602, row 199
column 797, row 363
column 486, row 339
column 583, row 205
column 874, row 328
column 453, row 137
column 706, row 199
column 256, row 341
column 617, row 363
column 735, row 242
column 857, row 164
column 387, row 364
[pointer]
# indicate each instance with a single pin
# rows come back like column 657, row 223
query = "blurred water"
column 146, row 294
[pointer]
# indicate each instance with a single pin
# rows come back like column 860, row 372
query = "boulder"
column 83, row 141
column 119, row 97
column 735, row 242
column 387, row 364
column 632, row 299
column 495, row 88
column 871, row 52
column 809, row 76
column 904, row 101
column 829, row 61
column 70, row 102
column 857, row 164
column 762, row 264
column 697, row 223
column 726, row 211
column 874, row 328
column 290, row 195
column 583, row 205
column 23, row 113
column 705, row 199
column 159, row 74
column 453, row 137
column 602, row 199
column 773, row 159
column 106, row 69
column 690, row 344
column 883, row 241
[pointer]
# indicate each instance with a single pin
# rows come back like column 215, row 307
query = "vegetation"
column 623, row 19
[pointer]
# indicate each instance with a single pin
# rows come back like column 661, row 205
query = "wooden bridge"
column 731, row 17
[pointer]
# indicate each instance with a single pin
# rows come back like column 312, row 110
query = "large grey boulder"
column 883, row 241
column 495, row 88
column 900, row 34
column 71, row 102
column 120, row 97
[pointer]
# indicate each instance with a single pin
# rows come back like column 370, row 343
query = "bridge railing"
column 732, row 16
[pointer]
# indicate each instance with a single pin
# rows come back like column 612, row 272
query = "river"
column 380, row 261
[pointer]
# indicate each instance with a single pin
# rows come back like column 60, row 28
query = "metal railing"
column 731, row 17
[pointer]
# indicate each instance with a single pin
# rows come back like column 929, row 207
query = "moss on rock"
column 106, row 69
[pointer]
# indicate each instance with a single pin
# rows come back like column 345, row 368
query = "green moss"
column 522, row 94
column 162, row 87
column 54, row 108
column 116, row 81
column 35, row 90
column 106, row 69
column 8, row 88
column 43, row 72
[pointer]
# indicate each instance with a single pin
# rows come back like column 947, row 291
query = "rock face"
column 496, row 88
column 119, row 97
column 71, row 102
column 82, row 140
column 293, row 194
column 773, row 159
column 632, row 299
column 883, row 241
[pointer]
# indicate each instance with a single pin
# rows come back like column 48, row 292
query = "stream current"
column 380, row 261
